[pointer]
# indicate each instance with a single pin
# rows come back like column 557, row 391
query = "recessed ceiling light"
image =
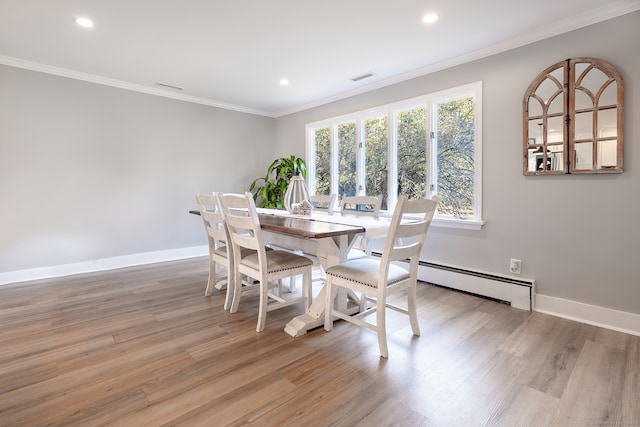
column 430, row 18
column 284, row 82
column 84, row 22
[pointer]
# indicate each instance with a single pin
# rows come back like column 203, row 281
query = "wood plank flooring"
column 143, row 347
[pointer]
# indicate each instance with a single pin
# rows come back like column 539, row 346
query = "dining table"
column 327, row 236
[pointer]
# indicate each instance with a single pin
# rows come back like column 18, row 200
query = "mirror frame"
column 554, row 155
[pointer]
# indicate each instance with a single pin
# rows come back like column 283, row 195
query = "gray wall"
column 90, row 172
column 576, row 235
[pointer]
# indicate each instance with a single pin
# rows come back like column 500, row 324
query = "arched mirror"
column 573, row 119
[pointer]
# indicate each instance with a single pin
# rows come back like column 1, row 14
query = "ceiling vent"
column 166, row 86
column 361, row 77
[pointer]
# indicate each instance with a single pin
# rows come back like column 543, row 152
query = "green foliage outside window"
column 433, row 146
column 455, row 142
column 347, row 159
column 412, row 153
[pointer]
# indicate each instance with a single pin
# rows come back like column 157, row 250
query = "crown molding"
column 92, row 78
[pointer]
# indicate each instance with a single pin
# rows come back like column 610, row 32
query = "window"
column 416, row 148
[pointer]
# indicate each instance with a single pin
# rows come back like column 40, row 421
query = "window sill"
column 465, row 224
column 444, row 222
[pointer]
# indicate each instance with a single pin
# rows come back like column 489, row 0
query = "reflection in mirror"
column 583, row 126
column 582, row 100
column 608, row 154
column 547, row 89
column 607, row 123
column 555, row 129
column 558, row 75
column 531, row 158
column 593, row 80
column 584, row 155
column 609, row 96
column 535, row 131
column 557, row 105
column 556, row 155
column 535, row 108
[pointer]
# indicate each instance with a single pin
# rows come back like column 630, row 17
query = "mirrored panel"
column 535, row 108
column 583, row 126
column 534, row 159
column 556, row 157
column 557, row 104
column 609, row 95
column 593, row 80
column 555, row 129
column 558, row 75
column 607, row 154
column 583, row 155
column 535, row 132
column 608, row 123
column 548, row 89
column 582, row 100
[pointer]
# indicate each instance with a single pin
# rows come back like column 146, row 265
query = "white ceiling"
column 233, row 53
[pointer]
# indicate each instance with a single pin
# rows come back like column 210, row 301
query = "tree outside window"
column 416, row 148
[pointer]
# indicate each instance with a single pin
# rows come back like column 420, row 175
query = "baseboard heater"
column 517, row 292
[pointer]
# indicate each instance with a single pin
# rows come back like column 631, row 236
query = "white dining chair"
column 324, row 202
column 220, row 252
column 213, row 222
column 267, row 267
column 365, row 206
column 376, row 278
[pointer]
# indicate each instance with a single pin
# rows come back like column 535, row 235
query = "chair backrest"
column 243, row 224
column 407, row 235
column 213, row 220
column 362, row 205
column 324, row 201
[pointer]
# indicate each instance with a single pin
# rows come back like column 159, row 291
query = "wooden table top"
column 307, row 228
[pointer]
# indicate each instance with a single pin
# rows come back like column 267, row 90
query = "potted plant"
column 268, row 192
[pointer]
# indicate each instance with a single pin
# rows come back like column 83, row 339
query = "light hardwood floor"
column 144, row 347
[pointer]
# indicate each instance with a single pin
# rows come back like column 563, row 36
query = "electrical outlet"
column 515, row 265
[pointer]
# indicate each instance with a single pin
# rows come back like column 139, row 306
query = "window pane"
column 455, row 148
column 323, row 161
column 347, row 159
column 412, row 153
column 376, row 157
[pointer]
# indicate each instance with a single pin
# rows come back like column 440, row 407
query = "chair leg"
column 264, row 300
column 381, row 327
column 411, row 307
column 211, row 282
column 237, row 290
column 328, row 304
column 231, row 288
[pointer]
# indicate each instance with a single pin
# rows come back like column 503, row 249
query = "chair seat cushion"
column 365, row 271
column 277, row 261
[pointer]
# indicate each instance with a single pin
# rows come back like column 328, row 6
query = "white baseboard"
column 616, row 320
column 102, row 264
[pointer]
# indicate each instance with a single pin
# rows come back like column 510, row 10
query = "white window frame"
column 391, row 110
